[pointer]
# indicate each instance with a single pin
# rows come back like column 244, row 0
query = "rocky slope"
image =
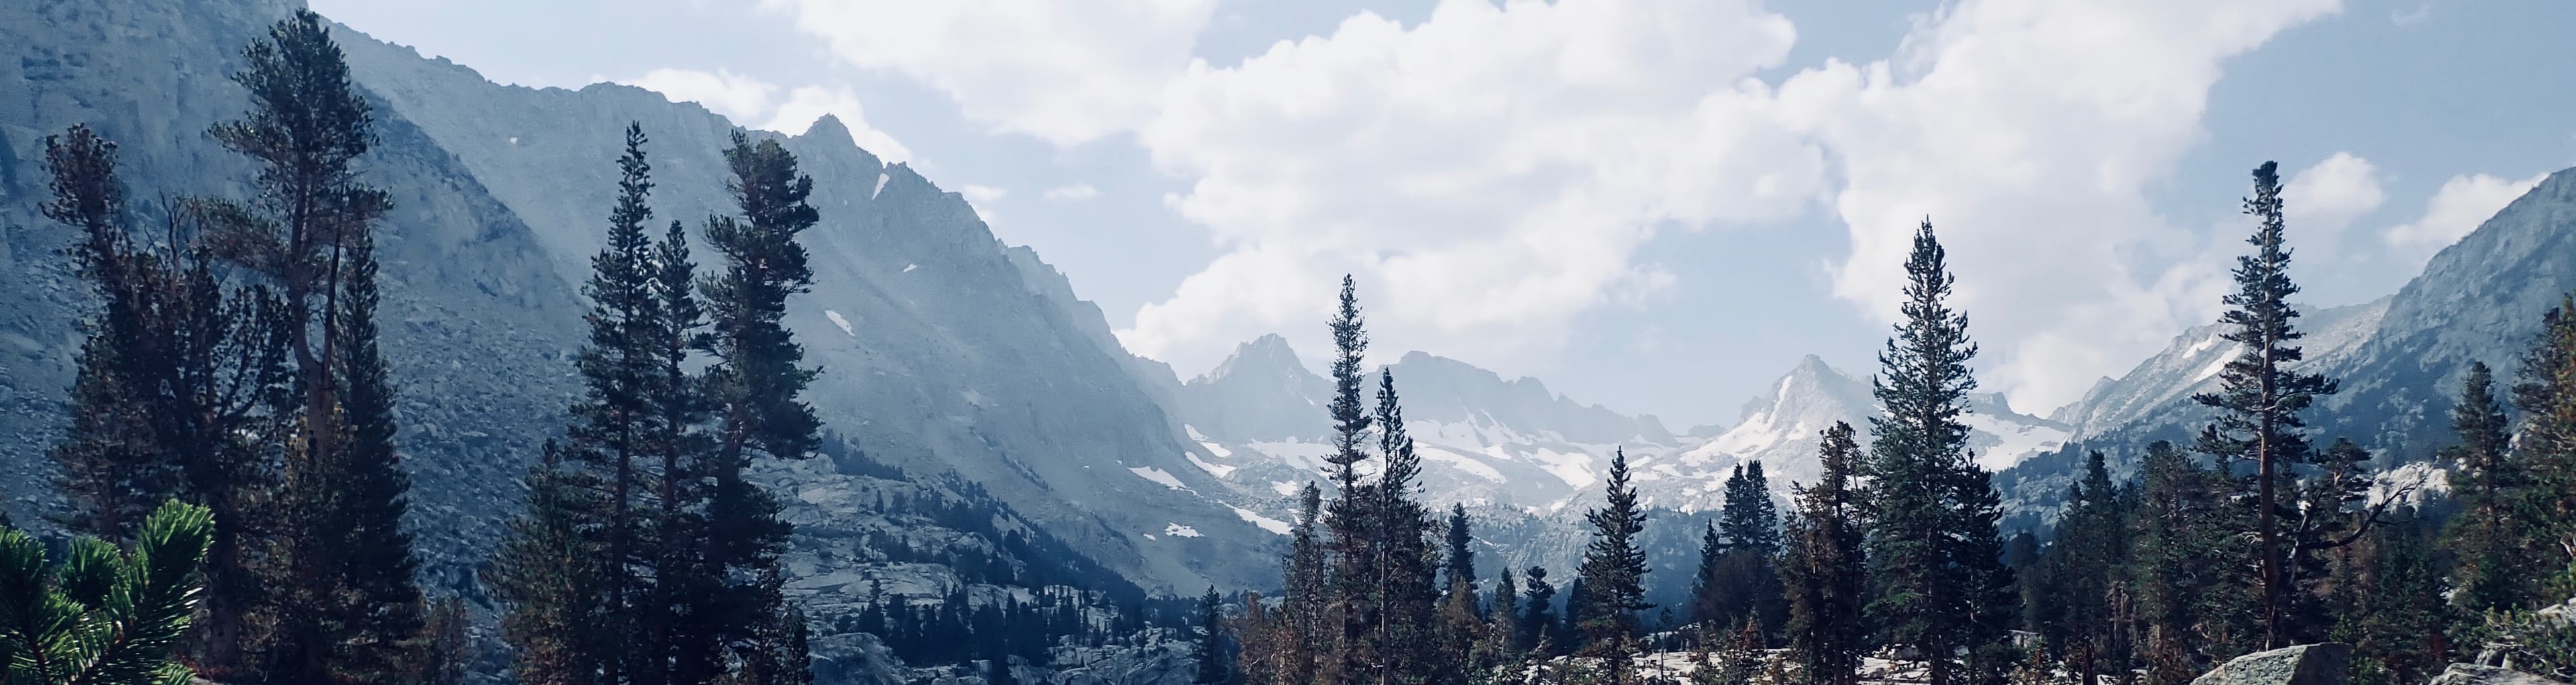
column 2400, row 359
column 943, row 350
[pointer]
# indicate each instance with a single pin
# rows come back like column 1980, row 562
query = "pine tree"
column 2545, row 452
column 1934, row 547
column 382, row 612
column 687, row 584
column 2486, row 535
column 1460, row 561
column 2189, row 586
column 1354, row 573
column 113, row 467
column 1751, row 521
column 104, row 616
column 1306, row 604
column 1825, row 570
column 174, row 384
column 2091, row 549
column 546, row 577
column 1462, row 620
column 1210, row 646
column 446, row 650
column 1538, row 606
column 349, row 611
column 2261, row 397
column 614, row 422
column 1404, row 593
column 1741, row 580
column 756, row 377
column 1710, row 591
column 1613, row 576
column 2397, row 630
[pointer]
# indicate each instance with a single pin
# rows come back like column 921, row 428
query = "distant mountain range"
column 959, row 360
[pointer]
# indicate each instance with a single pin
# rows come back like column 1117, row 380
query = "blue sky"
column 1657, row 205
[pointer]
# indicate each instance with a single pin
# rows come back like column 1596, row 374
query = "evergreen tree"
column 2092, row 547
column 1710, row 591
column 1742, row 579
column 1461, row 558
column 755, row 379
column 2189, row 585
column 546, row 577
column 1613, row 577
column 680, row 647
column 1538, row 606
column 2397, row 630
column 2486, row 535
column 2261, row 398
column 1934, row 550
column 113, row 467
column 2545, row 452
column 104, row 616
column 1306, row 604
column 1462, row 621
column 1825, row 570
column 1210, row 643
column 615, row 422
column 176, row 384
column 1751, row 521
column 381, row 614
column 349, row 610
column 1404, row 593
column 1354, row 573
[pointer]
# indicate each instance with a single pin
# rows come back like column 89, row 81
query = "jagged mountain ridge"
column 1487, row 441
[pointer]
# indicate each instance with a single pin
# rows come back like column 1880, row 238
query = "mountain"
column 1483, row 439
column 945, row 353
column 1784, row 431
column 2160, row 388
column 2400, row 358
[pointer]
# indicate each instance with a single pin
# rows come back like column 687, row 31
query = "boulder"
column 2317, row 664
column 2474, row 674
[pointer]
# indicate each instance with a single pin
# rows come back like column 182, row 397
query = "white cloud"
column 1078, row 191
column 2028, row 130
column 1065, row 72
column 738, row 97
column 1489, row 172
column 2323, row 200
column 980, row 194
column 2457, row 208
column 753, row 103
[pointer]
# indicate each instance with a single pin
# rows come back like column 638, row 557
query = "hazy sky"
column 1657, row 205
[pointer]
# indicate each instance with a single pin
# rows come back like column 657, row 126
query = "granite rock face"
column 2473, row 674
column 2317, row 664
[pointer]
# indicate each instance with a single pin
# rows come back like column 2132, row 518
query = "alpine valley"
column 987, row 439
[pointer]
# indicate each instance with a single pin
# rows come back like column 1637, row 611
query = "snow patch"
column 881, row 181
column 1202, row 439
column 1218, row 470
column 1158, row 475
column 1180, row 531
column 1266, row 523
column 1284, row 488
column 907, row 268
column 841, row 322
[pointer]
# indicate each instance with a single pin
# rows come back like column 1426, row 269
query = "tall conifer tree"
column 1825, row 570
column 2261, row 396
column 2486, row 535
column 1613, row 577
column 756, row 380
column 1934, row 548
